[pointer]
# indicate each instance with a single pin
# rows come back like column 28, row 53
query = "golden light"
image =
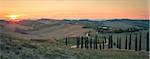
column 13, row 17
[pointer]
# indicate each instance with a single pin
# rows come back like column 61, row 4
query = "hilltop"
column 57, row 29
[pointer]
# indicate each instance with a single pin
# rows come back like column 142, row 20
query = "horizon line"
column 78, row 18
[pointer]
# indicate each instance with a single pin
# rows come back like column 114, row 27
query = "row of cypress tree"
column 85, row 42
column 95, row 43
column 138, row 43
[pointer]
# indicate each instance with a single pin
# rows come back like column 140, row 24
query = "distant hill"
column 51, row 28
column 44, row 39
column 44, row 29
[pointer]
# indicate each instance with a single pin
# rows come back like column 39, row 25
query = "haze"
column 60, row 9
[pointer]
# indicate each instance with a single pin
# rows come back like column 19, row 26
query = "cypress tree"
column 91, row 43
column 66, row 41
column 96, row 42
column 87, row 42
column 136, row 43
column 111, row 42
column 140, row 42
column 147, row 49
column 78, row 42
column 126, row 42
column 105, row 39
column 130, row 42
column 117, row 42
column 100, row 45
column 120, row 43
column 103, row 44
column 81, row 42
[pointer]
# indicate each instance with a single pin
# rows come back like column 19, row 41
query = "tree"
column 147, row 49
column 100, row 45
column 105, row 39
column 78, row 42
column 87, row 42
column 126, row 42
column 81, row 42
column 119, row 43
column 66, row 41
column 103, row 44
column 96, row 42
column 130, row 42
column 136, row 43
column 111, row 41
column 91, row 42
column 140, row 42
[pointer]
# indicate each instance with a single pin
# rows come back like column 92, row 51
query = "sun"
column 13, row 17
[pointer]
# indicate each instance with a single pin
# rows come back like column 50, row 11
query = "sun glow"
column 13, row 17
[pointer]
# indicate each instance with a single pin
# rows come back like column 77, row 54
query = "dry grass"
column 26, row 49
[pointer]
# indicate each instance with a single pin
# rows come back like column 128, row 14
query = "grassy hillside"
column 13, row 48
column 34, row 39
column 43, row 29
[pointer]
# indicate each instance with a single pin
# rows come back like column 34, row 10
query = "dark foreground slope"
column 12, row 48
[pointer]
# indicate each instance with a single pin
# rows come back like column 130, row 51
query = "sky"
column 60, row 9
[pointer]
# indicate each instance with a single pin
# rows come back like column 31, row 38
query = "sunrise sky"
column 60, row 9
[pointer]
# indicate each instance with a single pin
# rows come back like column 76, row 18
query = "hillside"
column 57, row 39
column 43, row 29
column 12, row 48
